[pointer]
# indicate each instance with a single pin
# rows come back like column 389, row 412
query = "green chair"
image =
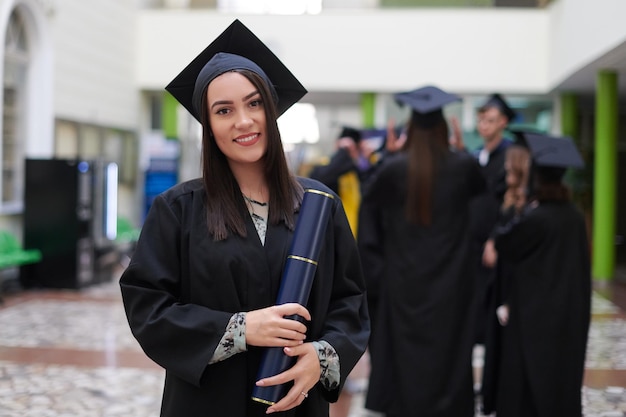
column 127, row 236
column 12, row 254
column 126, row 232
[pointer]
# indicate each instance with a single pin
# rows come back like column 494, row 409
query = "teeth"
column 246, row 139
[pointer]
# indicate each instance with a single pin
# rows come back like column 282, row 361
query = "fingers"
column 503, row 314
column 289, row 401
column 289, row 309
column 456, row 140
column 304, row 374
column 273, row 326
column 392, row 138
column 490, row 258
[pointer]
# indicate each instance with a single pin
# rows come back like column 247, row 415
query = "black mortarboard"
column 553, row 152
column 427, row 103
column 350, row 132
column 497, row 101
column 235, row 48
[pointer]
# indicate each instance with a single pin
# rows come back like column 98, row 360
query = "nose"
column 243, row 120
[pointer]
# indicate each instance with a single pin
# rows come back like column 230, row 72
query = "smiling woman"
column 237, row 119
column 199, row 292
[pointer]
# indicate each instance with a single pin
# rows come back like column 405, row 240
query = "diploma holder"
column 296, row 282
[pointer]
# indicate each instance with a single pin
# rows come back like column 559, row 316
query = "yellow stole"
column 350, row 193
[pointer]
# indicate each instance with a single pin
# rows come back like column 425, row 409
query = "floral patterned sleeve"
column 329, row 364
column 234, row 339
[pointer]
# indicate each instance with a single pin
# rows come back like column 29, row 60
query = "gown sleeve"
column 180, row 337
column 515, row 238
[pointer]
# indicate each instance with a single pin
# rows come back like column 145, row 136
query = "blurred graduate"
column 200, row 289
column 421, row 347
column 346, row 170
column 493, row 118
column 546, row 310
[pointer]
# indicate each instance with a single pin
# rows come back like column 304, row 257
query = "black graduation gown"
column 493, row 331
column 182, row 287
column 421, row 350
column 340, row 163
column 484, row 214
column 542, row 357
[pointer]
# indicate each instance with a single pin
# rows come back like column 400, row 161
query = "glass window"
column 155, row 112
column 89, row 142
column 66, row 139
column 121, row 147
column 16, row 62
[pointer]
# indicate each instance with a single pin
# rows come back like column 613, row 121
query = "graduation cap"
column 552, row 151
column 235, row 48
column 427, row 103
column 551, row 155
column 350, row 132
column 497, row 101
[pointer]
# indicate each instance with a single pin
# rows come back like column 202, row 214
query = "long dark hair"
column 224, row 202
column 426, row 147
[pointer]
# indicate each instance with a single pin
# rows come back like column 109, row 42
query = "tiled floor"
column 66, row 353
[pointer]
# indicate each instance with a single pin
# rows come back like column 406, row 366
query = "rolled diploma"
column 296, row 282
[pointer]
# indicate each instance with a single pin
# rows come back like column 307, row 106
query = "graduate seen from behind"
column 417, row 208
column 547, row 302
column 200, row 289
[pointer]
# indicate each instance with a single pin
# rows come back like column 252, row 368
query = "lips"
column 247, row 140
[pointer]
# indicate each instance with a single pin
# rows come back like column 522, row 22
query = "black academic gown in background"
column 493, row 331
column 484, row 215
column 542, row 357
column 340, row 163
column 421, row 350
column 182, row 287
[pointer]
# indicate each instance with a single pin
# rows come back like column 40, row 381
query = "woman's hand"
column 514, row 197
column 456, row 138
column 350, row 146
column 269, row 327
column 304, row 374
column 502, row 313
column 490, row 254
column 393, row 142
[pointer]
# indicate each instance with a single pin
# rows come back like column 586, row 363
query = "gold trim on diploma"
column 300, row 258
column 261, row 400
column 314, row 191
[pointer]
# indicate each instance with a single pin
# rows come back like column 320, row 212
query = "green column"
column 579, row 180
column 169, row 114
column 569, row 115
column 368, row 109
column 605, row 177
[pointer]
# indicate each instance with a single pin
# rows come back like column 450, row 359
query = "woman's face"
column 237, row 118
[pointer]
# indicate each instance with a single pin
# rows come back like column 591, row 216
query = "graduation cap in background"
column 552, row 151
column 551, row 155
column 350, row 132
column 427, row 103
column 497, row 101
column 235, row 48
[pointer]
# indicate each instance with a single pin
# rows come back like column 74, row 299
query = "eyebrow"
column 249, row 96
